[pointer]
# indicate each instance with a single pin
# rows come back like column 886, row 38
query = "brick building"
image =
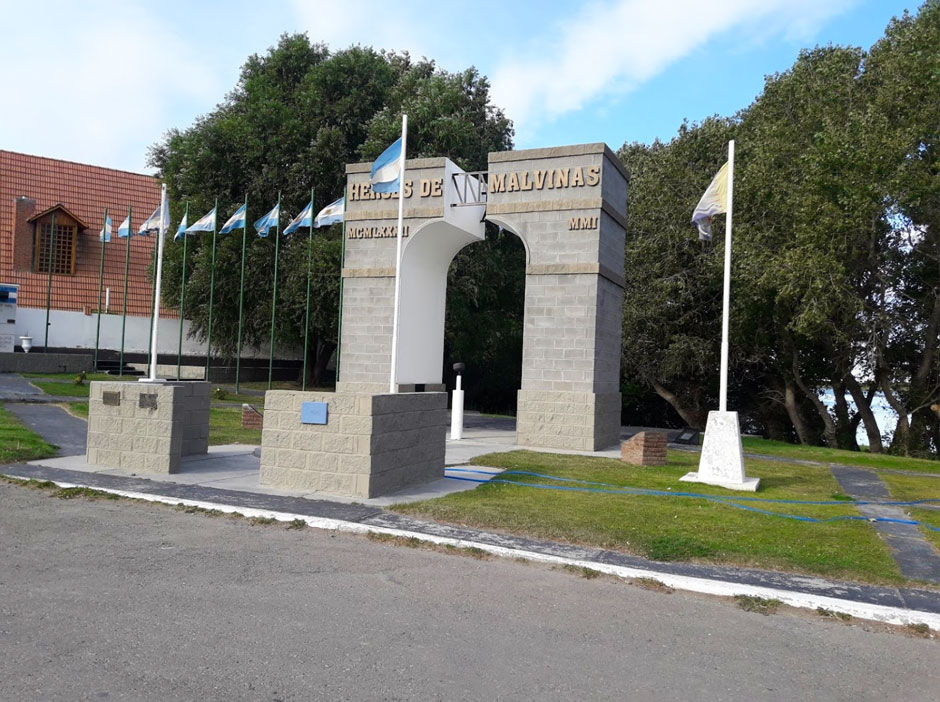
column 32, row 190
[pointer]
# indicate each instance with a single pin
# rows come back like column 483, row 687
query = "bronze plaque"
column 110, row 398
column 148, row 401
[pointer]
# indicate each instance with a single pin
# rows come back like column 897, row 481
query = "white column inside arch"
column 425, row 260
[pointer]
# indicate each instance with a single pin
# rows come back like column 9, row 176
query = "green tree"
column 297, row 116
column 672, row 294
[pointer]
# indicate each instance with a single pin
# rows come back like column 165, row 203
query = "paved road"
column 120, row 601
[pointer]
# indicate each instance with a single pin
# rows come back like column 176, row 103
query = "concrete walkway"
column 914, row 554
column 55, row 425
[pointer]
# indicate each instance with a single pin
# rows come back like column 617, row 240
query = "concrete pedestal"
column 722, row 461
column 580, row 421
column 147, row 427
column 352, row 444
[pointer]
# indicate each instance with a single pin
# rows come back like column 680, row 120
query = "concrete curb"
column 513, row 547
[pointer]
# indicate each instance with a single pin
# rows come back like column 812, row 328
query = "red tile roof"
column 85, row 190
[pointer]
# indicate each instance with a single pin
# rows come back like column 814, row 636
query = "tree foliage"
column 297, row 116
column 836, row 262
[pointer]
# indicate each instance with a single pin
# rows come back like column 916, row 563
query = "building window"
column 63, row 256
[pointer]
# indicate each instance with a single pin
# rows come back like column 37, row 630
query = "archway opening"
column 485, row 319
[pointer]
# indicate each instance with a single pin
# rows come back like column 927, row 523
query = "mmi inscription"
column 147, row 401
column 110, row 398
column 575, row 223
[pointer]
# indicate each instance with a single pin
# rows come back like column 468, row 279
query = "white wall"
column 76, row 330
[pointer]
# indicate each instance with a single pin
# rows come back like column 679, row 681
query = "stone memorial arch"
column 568, row 206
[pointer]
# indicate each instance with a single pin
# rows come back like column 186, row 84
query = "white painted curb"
column 862, row 610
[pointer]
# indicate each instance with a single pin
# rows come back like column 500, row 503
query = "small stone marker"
column 722, row 461
column 688, row 437
column 111, row 399
column 644, row 449
column 251, row 418
column 147, row 401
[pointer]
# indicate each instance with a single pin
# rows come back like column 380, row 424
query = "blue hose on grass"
column 609, row 489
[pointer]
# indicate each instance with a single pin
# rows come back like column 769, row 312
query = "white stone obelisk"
column 722, row 460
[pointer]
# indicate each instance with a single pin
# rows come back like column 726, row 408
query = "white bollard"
column 456, row 413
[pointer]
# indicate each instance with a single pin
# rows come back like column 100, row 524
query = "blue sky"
column 99, row 81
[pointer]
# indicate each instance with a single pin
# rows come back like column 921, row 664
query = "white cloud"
column 383, row 25
column 612, row 47
column 95, row 83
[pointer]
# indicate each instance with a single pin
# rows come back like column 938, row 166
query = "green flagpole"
column 104, row 236
column 45, row 345
column 127, row 258
column 215, row 227
column 179, row 352
column 153, row 300
column 241, row 302
column 303, row 385
column 277, row 243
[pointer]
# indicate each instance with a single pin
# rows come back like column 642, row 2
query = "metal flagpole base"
column 722, row 461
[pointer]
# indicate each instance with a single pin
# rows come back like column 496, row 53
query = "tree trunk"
column 864, row 409
column 693, row 418
column 845, row 427
column 902, row 433
column 920, row 380
column 324, row 352
column 829, row 431
column 793, row 411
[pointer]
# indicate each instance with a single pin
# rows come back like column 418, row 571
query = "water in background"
column 887, row 418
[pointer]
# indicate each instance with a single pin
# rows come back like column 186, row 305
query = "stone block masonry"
column 45, row 362
column 147, row 427
column 371, row 445
column 644, row 449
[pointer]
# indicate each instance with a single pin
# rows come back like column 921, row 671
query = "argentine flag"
column 105, row 234
column 236, row 221
column 181, row 230
column 387, row 169
column 124, row 231
column 204, row 224
column 331, row 214
column 271, row 219
column 301, row 220
column 152, row 223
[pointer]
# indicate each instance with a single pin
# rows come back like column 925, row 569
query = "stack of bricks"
column 644, row 449
column 147, row 427
column 369, row 445
column 251, row 418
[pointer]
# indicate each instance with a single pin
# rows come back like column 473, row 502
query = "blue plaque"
column 313, row 413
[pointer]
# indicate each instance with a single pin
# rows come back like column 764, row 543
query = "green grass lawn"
column 253, row 400
column 929, row 516
column 225, row 427
column 68, row 388
column 79, row 409
column 674, row 528
column 17, row 443
column 61, row 389
column 914, row 487
column 829, row 455
column 69, row 377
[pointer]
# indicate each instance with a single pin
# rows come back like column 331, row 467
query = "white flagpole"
column 393, row 375
column 726, row 302
column 161, row 235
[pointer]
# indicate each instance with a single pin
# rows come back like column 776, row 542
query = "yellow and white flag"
column 714, row 201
